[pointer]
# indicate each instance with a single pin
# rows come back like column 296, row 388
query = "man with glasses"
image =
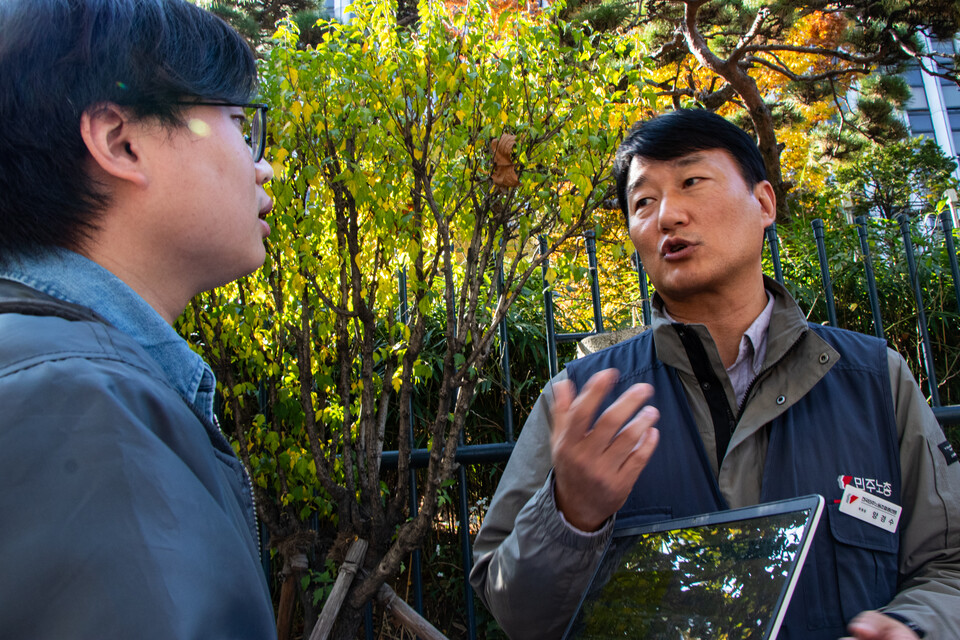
column 131, row 179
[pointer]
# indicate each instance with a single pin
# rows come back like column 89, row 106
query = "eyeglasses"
column 254, row 128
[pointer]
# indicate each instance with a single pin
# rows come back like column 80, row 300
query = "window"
column 913, row 77
column 918, row 99
column 920, row 122
column 951, row 96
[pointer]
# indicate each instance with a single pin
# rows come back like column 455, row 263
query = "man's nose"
column 673, row 210
column 264, row 171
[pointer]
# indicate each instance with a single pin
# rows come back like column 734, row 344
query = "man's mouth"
column 673, row 247
column 266, row 209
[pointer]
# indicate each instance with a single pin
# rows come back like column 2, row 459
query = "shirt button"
column 781, row 399
column 705, row 386
column 824, row 358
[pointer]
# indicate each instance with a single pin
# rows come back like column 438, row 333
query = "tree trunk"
column 747, row 89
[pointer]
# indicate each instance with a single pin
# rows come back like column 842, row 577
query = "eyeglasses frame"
column 261, row 108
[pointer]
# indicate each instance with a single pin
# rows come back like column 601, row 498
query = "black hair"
column 61, row 58
column 682, row 132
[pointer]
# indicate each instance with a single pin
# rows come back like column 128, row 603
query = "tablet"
column 728, row 574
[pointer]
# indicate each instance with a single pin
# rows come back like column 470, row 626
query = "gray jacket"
column 531, row 567
column 125, row 514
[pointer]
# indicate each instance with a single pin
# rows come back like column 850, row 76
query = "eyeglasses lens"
column 256, row 137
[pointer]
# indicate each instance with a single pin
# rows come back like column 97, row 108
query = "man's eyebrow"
column 636, row 184
column 687, row 160
column 683, row 161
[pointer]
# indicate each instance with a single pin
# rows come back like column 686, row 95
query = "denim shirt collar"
column 73, row 278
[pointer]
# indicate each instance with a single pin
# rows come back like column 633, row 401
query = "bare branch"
column 750, row 35
column 789, row 74
column 820, row 51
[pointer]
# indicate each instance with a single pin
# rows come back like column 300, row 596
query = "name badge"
column 869, row 508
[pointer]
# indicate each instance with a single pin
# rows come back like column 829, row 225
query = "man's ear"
column 113, row 140
column 763, row 192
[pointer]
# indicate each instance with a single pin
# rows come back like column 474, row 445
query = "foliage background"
column 282, row 350
column 381, row 142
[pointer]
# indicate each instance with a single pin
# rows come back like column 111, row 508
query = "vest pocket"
column 852, row 567
column 866, row 563
column 634, row 517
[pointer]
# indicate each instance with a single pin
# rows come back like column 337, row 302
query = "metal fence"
column 482, row 454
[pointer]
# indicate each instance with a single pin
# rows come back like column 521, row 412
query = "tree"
column 902, row 177
column 255, row 19
column 771, row 59
column 381, row 144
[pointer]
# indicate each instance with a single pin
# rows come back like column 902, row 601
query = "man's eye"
column 642, row 202
column 689, row 182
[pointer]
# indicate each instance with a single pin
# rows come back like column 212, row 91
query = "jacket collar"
column 787, row 325
column 72, row 278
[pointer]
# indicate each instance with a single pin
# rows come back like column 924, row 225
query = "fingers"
column 597, row 462
column 634, row 444
column 873, row 625
column 573, row 412
column 629, row 406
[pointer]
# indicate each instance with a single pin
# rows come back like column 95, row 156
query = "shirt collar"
column 754, row 340
column 73, row 278
column 786, row 324
column 755, row 337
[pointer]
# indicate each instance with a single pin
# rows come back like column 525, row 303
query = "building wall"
column 934, row 108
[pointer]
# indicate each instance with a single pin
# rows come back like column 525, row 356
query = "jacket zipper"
column 253, row 496
column 756, row 378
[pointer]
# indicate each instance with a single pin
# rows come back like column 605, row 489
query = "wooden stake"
column 402, row 614
column 292, row 569
column 340, row 588
column 405, row 616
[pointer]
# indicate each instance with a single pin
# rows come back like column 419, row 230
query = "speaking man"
column 751, row 404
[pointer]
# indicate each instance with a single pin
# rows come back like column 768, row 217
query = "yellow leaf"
column 296, row 282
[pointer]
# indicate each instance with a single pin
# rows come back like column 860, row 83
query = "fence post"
column 505, row 362
column 594, row 280
column 861, row 223
column 946, row 222
column 644, row 289
column 825, row 271
column 774, row 242
column 921, row 315
column 466, row 552
column 548, row 311
column 415, row 560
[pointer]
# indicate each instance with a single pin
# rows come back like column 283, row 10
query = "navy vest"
column 843, row 428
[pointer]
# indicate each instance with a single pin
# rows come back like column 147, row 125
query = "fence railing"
column 481, row 454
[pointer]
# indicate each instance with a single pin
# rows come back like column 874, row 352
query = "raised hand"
column 596, row 463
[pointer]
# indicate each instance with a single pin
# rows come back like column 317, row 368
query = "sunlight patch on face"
column 199, row 127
